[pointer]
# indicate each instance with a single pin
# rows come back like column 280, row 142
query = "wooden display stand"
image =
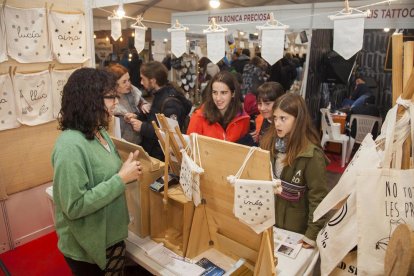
column 214, row 224
column 399, row 257
column 171, row 212
column 138, row 192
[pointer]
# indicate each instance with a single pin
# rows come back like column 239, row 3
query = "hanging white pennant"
column 8, row 116
column 178, row 41
column 348, row 34
column 27, row 35
column 33, row 98
column 215, row 45
column 116, row 29
column 67, row 32
column 3, row 48
column 139, row 39
column 273, row 41
column 59, row 79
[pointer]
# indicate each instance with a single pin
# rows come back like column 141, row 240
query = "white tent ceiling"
column 161, row 10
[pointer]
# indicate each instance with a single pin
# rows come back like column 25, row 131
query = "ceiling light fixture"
column 120, row 12
column 214, row 4
column 386, row 30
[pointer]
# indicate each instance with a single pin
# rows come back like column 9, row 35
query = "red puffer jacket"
column 235, row 130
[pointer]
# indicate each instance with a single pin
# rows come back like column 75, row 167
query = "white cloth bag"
column 339, row 236
column 33, row 95
column 27, row 35
column 385, row 199
column 3, row 48
column 254, row 202
column 190, row 173
column 59, row 79
column 8, row 115
column 68, row 35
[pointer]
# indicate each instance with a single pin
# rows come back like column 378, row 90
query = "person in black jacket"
column 168, row 100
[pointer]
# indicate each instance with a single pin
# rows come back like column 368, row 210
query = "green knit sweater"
column 91, row 212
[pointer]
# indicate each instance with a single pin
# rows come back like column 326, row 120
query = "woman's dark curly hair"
column 83, row 107
column 211, row 112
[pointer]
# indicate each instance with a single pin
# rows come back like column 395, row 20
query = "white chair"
column 331, row 133
column 364, row 125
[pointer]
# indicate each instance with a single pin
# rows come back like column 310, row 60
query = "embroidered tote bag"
column 8, row 117
column 254, row 202
column 190, row 173
column 3, row 49
column 68, row 35
column 27, row 35
column 385, row 199
column 33, row 97
column 59, row 79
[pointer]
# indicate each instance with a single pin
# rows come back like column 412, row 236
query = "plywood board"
column 225, row 232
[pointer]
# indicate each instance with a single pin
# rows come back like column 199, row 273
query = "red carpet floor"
column 335, row 165
column 38, row 257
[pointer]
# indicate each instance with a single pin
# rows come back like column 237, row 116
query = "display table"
column 303, row 264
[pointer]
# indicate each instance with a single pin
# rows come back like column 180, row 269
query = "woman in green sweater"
column 89, row 177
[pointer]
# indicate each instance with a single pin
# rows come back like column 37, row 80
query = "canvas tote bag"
column 254, row 203
column 8, row 115
column 59, row 79
column 190, row 173
column 385, row 198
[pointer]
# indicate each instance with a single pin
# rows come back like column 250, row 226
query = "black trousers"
column 115, row 256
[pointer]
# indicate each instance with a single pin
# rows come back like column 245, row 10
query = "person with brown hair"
column 168, row 99
column 299, row 162
column 91, row 214
column 131, row 103
column 267, row 94
column 222, row 115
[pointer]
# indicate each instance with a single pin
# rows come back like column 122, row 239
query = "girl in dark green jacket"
column 300, row 163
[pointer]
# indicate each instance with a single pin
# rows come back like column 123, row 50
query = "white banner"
column 116, row 29
column 139, row 39
column 27, row 35
column 68, row 35
column 3, row 48
column 59, row 79
column 215, row 45
column 273, row 41
column 348, row 34
column 178, row 41
column 8, row 116
column 33, row 97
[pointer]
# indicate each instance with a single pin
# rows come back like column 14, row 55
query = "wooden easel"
column 171, row 223
column 214, row 224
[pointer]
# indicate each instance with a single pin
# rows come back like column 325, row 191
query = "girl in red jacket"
column 222, row 115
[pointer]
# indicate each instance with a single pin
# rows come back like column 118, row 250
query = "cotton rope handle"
column 196, row 149
column 232, row 178
column 392, row 130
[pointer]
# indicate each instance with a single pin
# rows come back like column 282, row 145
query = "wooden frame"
column 214, row 224
column 389, row 56
column 138, row 192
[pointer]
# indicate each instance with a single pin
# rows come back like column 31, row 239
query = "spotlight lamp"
column 214, row 4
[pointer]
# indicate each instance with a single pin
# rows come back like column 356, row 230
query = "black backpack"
column 181, row 100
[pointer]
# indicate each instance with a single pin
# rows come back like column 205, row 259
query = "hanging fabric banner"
column 27, row 35
column 178, row 41
column 348, row 34
column 273, row 41
column 215, row 44
column 3, row 48
column 59, row 79
column 116, row 29
column 68, row 35
column 8, row 116
column 139, row 39
column 33, row 97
